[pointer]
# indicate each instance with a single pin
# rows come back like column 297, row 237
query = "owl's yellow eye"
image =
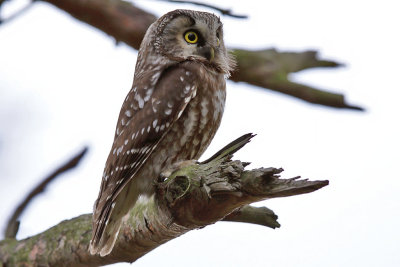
column 191, row 37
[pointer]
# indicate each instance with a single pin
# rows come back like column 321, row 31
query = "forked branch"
column 192, row 197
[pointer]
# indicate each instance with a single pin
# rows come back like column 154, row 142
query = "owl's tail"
column 107, row 240
column 107, row 225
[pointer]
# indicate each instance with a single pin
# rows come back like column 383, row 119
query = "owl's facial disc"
column 194, row 36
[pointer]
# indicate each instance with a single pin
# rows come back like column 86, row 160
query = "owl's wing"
column 159, row 101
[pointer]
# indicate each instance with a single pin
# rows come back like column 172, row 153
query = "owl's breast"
column 191, row 134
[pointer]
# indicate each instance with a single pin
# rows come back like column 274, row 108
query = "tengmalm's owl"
column 170, row 115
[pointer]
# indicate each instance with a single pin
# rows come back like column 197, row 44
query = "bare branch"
column 270, row 69
column 13, row 223
column 192, row 197
column 226, row 12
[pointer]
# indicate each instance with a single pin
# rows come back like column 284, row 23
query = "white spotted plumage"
column 171, row 114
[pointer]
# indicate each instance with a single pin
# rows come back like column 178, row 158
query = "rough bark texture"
column 193, row 197
column 266, row 68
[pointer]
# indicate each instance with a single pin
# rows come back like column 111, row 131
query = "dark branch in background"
column 13, row 223
column 225, row 12
column 267, row 68
column 191, row 198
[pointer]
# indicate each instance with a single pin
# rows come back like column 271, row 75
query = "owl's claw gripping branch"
column 193, row 197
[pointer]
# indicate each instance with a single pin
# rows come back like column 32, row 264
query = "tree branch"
column 270, row 69
column 255, row 215
column 13, row 223
column 192, row 197
column 267, row 68
column 226, row 12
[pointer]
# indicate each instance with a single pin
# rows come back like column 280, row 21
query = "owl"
column 169, row 116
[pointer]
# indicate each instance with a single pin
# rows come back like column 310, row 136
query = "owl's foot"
column 176, row 166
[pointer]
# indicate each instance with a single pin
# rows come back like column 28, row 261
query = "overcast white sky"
column 62, row 84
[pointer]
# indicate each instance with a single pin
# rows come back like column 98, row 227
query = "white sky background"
column 62, row 84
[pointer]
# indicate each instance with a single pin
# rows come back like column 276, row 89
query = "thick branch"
column 193, row 197
column 267, row 68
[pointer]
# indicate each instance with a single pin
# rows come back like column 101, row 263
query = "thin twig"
column 226, row 12
column 17, row 14
column 13, row 223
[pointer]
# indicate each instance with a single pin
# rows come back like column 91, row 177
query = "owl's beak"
column 208, row 52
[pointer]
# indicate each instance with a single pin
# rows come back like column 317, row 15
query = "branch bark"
column 267, row 69
column 192, row 197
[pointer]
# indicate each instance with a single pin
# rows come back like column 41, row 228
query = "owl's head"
column 192, row 35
